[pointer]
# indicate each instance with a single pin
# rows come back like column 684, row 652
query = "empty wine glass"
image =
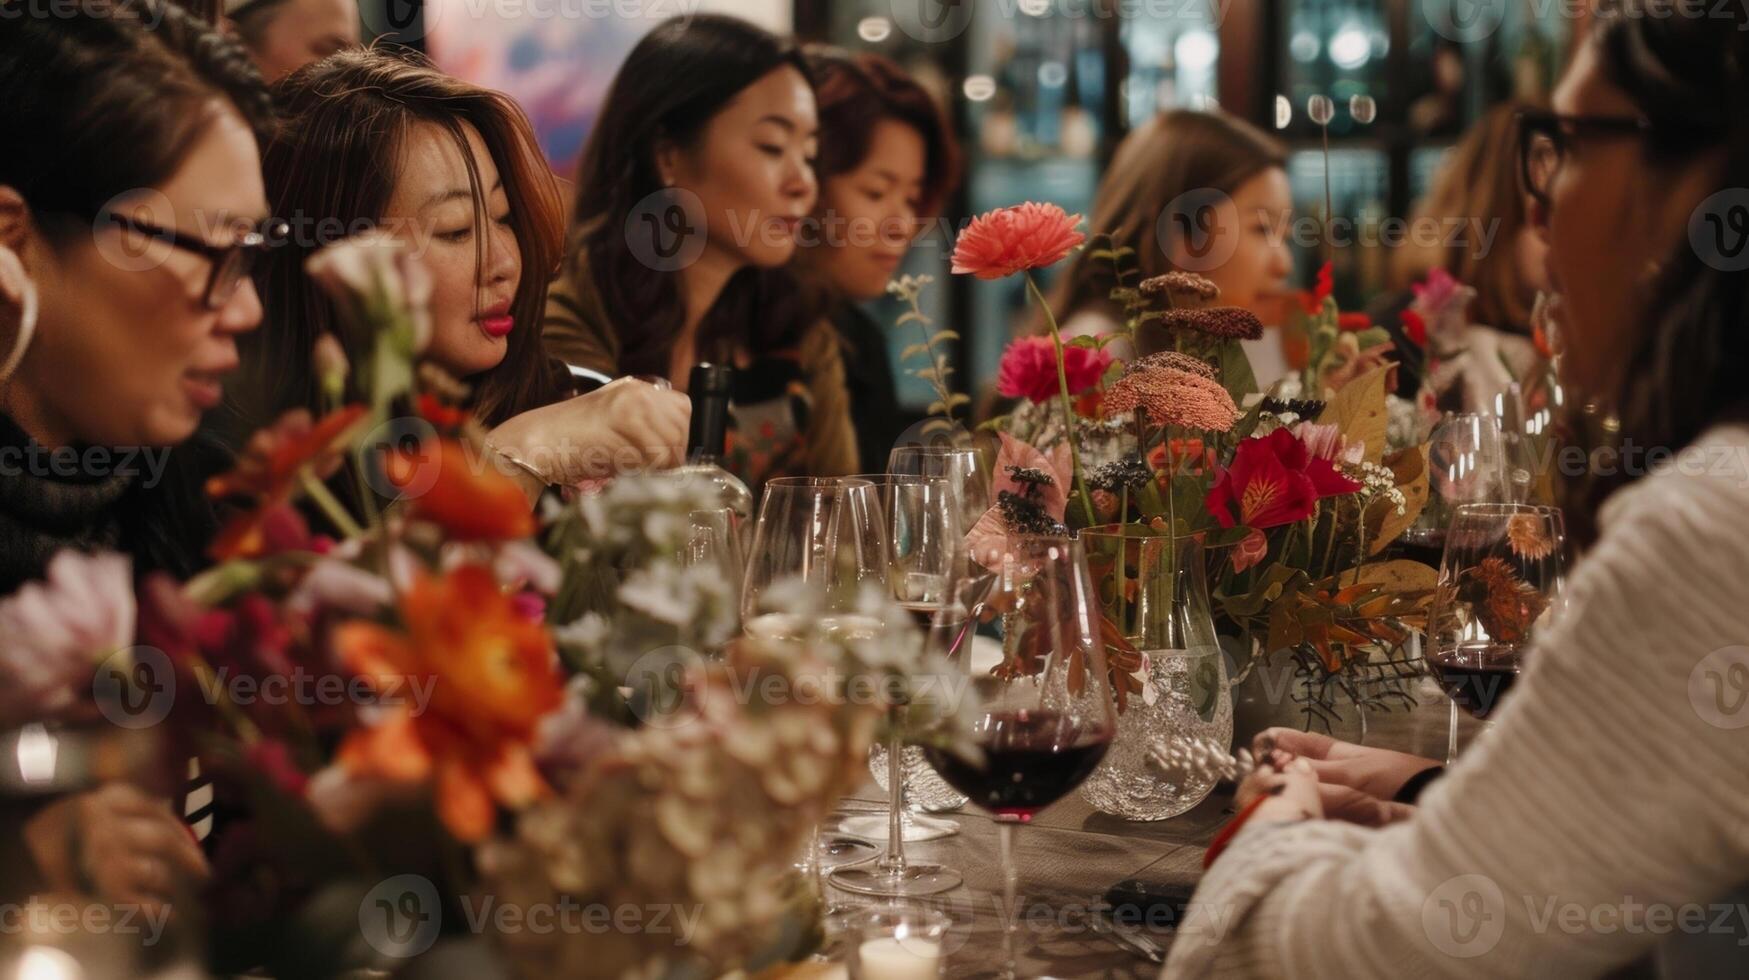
column 968, row 479
column 1500, row 579
column 924, row 554
column 1031, row 731
column 827, row 533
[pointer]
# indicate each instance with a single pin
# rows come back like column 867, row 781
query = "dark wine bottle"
column 710, row 388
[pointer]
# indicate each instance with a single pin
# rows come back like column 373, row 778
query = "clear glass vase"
column 1154, row 592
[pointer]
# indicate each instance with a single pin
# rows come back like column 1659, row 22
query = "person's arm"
column 1611, row 782
column 829, row 445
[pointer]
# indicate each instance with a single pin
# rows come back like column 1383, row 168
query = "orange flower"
column 446, row 417
column 272, row 460
column 1016, row 239
column 470, row 502
column 269, row 470
column 489, row 675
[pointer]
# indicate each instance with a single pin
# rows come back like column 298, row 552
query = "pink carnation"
column 1029, row 369
column 1027, row 236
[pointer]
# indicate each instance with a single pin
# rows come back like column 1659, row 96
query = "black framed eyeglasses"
column 230, row 264
column 1545, row 137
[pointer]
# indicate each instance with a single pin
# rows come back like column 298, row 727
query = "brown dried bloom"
column 1524, row 532
column 1185, row 289
column 1173, row 360
column 1172, row 397
column 1228, row 322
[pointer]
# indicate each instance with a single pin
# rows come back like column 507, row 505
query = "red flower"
column 1273, row 481
column 1314, row 300
column 1415, row 328
column 1353, row 322
column 1029, row 369
column 445, row 417
column 471, row 503
column 1016, row 239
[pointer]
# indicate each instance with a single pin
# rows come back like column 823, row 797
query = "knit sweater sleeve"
column 1610, row 798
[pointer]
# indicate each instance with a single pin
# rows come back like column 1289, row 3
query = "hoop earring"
column 11, row 268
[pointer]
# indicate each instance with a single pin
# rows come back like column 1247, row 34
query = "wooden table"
column 1070, row 854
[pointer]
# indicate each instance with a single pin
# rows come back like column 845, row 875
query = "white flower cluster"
column 1378, row 481
column 907, row 287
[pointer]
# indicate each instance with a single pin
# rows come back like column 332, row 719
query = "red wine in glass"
column 1475, row 678
column 1031, row 760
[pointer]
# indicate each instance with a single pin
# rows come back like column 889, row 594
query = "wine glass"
column 827, row 533
column 1466, row 464
column 962, row 467
column 924, row 546
column 1032, row 730
column 1501, row 577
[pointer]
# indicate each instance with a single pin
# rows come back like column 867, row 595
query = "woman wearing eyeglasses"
column 130, row 202
column 1604, row 822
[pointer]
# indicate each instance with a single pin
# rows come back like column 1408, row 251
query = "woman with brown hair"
column 1197, row 192
column 693, row 189
column 1478, row 186
column 888, row 160
column 371, row 139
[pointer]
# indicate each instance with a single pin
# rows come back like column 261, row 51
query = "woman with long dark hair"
column 382, row 140
column 888, row 160
column 1612, row 784
column 131, row 208
column 697, row 178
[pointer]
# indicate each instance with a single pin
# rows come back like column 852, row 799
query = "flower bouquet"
column 427, row 713
column 1294, row 494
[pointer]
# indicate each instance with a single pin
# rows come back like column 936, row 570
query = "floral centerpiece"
column 1295, row 492
column 418, row 701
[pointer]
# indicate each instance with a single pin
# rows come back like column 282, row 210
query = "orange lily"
column 490, row 675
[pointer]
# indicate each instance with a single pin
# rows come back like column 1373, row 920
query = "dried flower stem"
column 1080, row 487
column 331, row 508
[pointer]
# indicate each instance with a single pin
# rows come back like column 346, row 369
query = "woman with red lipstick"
column 696, row 180
column 131, row 210
column 888, row 160
column 375, row 139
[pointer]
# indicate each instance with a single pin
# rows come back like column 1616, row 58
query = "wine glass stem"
column 1010, row 896
column 1451, row 735
column 894, row 860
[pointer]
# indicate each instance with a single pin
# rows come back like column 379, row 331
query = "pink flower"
column 54, row 633
column 1016, row 239
column 986, row 538
column 1029, row 369
column 1326, row 442
column 1434, row 295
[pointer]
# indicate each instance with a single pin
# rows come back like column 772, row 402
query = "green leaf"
column 1085, row 341
column 1235, row 369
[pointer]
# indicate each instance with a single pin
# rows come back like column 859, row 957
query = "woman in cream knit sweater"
column 1605, row 820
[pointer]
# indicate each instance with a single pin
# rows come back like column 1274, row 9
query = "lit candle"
column 899, row 959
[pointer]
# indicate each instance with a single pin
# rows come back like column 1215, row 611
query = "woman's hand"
column 117, row 844
column 1376, row 773
column 1291, row 792
column 626, row 426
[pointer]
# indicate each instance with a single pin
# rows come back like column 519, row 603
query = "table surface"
column 1070, row 854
